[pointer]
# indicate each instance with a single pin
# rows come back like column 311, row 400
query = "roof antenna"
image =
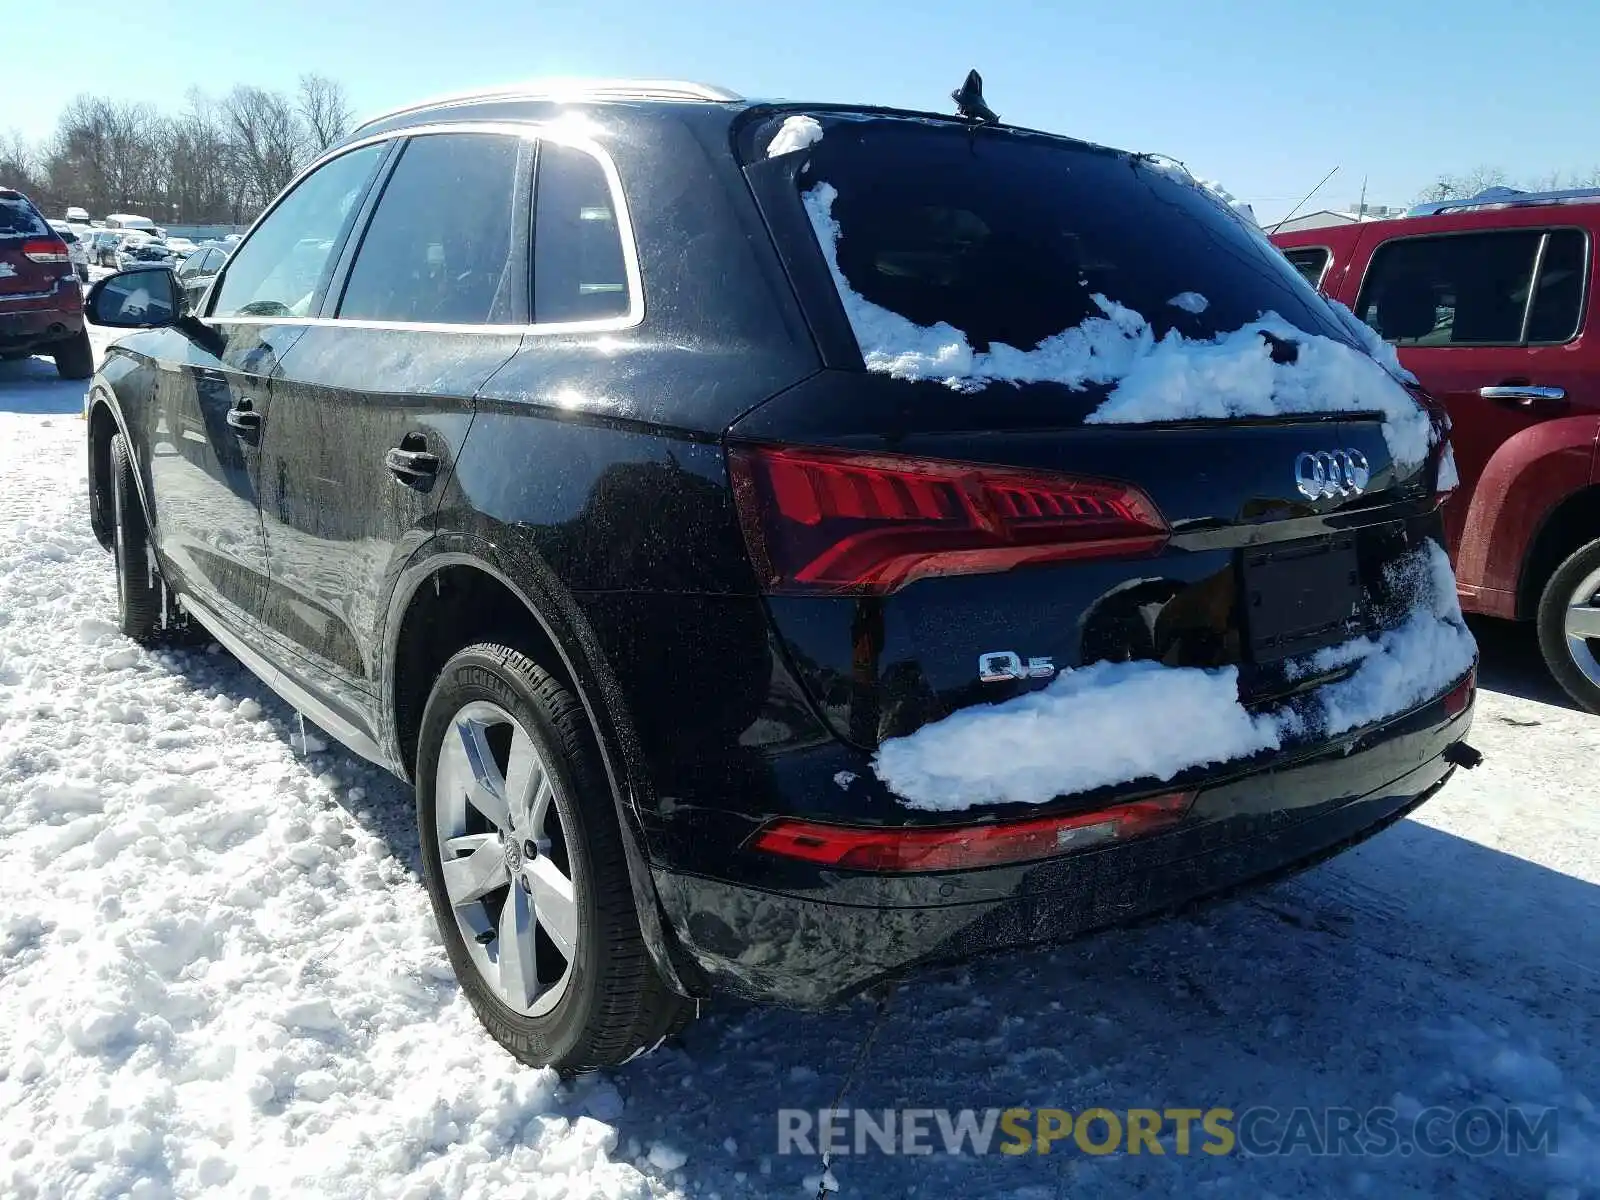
column 969, row 101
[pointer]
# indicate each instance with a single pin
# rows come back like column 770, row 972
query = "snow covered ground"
column 218, row 973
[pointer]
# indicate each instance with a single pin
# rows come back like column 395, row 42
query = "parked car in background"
column 635, row 563
column 41, row 302
column 196, row 272
column 144, row 252
column 104, row 247
column 130, row 221
column 75, row 248
column 181, row 247
column 77, row 216
column 1488, row 301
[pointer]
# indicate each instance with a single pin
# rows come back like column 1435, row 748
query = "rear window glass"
column 1477, row 288
column 18, row 218
column 1009, row 238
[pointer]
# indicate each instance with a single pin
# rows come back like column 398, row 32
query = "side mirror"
column 142, row 298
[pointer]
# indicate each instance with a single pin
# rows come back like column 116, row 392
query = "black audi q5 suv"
column 788, row 545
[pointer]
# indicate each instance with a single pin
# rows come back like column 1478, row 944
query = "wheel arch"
column 459, row 589
column 1572, row 522
column 1527, row 479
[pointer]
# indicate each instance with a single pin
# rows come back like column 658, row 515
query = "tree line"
column 1466, row 184
column 218, row 161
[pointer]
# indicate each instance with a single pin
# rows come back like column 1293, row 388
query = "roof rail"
column 572, row 90
column 1505, row 197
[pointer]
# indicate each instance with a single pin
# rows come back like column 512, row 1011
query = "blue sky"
column 1265, row 99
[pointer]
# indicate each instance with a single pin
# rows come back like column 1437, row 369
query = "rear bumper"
column 34, row 324
column 812, row 945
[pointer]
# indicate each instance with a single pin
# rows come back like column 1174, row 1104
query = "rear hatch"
column 32, row 257
column 956, row 524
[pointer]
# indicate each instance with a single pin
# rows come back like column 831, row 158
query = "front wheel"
column 138, row 584
column 524, row 864
column 1569, row 625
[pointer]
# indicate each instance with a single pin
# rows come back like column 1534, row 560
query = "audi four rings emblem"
column 1331, row 473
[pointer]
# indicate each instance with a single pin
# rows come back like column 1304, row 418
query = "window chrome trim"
column 565, row 133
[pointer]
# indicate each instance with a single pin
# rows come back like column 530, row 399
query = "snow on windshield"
column 796, row 133
column 1010, row 753
column 1167, row 379
column 17, row 217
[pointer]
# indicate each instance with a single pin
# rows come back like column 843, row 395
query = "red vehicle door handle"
column 1524, row 395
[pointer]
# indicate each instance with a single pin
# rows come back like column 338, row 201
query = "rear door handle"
column 411, row 467
column 243, row 418
column 1524, row 395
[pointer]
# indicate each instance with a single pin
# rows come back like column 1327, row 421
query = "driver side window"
column 281, row 270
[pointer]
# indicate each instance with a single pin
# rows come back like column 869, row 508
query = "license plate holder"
column 1301, row 596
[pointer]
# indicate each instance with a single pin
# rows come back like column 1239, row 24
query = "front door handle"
column 414, row 468
column 244, row 419
column 1524, row 395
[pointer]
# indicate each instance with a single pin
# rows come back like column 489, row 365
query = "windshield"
column 1009, row 238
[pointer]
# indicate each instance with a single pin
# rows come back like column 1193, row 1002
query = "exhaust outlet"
column 1459, row 754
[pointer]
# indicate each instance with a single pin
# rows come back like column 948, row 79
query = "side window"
column 280, row 270
column 1557, row 312
column 441, row 242
column 1310, row 261
column 579, row 267
column 1476, row 289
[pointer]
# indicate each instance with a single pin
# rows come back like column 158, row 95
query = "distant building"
column 1346, row 216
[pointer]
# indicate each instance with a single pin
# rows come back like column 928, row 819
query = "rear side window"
column 1477, row 289
column 441, row 245
column 282, row 270
column 580, row 271
column 19, row 218
column 1310, row 261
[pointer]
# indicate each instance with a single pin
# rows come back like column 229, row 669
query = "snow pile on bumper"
column 1111, row 723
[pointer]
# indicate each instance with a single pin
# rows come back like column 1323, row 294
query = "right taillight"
column 844, row 522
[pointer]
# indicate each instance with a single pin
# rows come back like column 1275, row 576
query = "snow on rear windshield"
column 18, row 218
column 971, row 258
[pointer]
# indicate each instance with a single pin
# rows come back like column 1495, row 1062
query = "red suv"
column 1487, row 301
column 41, row 303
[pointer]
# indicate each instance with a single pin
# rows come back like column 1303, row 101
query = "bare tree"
column 325, row 111
column 266, row 140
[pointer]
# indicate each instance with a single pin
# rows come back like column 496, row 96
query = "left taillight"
column 954, row 848
column 46, row 250
column 842, row 522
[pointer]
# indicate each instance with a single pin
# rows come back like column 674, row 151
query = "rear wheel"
column 524, row 864
column 1569, row 625
column 75, row 358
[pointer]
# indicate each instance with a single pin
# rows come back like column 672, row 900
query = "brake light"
column 842, row 522
column 856, row 848
column 46, row 250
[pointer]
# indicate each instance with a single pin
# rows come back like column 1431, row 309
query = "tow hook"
column 1459, row 754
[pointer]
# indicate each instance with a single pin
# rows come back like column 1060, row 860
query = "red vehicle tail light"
column 842, row 522
column 1458, row 697
column 951, row 848
column 46, row 250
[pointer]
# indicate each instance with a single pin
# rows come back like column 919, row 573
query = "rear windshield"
column 18, row 218
column 1009, row 237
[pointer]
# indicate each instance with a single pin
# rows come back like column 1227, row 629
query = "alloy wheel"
column 1581, row 624
column 499, row 817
